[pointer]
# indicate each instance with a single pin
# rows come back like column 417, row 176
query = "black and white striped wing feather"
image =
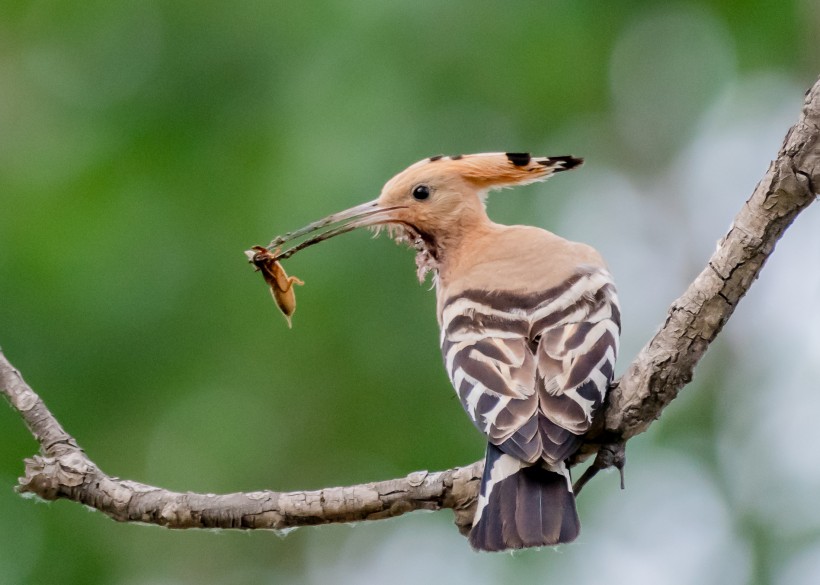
column 532, row 369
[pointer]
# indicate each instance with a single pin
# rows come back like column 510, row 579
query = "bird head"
column 436, row 200
column 443, row 195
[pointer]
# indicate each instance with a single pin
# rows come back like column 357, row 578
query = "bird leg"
column 609, row 455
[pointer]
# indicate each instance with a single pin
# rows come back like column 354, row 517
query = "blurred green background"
column 144, row 145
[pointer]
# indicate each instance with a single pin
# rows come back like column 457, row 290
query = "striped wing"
column 531, row 370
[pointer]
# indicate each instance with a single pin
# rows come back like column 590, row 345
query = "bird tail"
column 523, row 505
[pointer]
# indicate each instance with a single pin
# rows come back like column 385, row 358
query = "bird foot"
column 609, row 455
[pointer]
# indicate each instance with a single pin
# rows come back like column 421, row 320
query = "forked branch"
column 652, row 381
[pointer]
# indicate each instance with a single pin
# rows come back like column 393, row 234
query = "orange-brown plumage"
column 454, row 213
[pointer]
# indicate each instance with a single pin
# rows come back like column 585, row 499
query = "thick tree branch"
column 62, row 470
column 666, row 363
column 652, row 381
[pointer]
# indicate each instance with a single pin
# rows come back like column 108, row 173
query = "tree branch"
column 652, row 381
column 666, row 363
column 63, row 470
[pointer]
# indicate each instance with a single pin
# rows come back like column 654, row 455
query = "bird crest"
column 497, row 170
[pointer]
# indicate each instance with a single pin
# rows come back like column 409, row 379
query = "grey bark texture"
column 62, row 470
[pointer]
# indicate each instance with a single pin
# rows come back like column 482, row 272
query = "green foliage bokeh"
column 145, row 145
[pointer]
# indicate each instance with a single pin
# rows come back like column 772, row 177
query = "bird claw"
column 609, row 455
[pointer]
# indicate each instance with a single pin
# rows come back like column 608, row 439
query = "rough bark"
column 666, row 363
column 652, row 381
column 63, row 470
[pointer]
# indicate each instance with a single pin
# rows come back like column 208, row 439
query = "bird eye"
column 421, row 192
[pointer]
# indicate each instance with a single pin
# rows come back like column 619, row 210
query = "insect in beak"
column 267, row 259
column 280, row 284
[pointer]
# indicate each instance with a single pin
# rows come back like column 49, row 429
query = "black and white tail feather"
column 531, row 370
column 521, row 506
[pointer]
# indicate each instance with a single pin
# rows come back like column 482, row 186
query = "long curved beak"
column 364, row 215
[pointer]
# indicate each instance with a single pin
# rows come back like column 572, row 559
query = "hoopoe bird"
column 529, row 331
